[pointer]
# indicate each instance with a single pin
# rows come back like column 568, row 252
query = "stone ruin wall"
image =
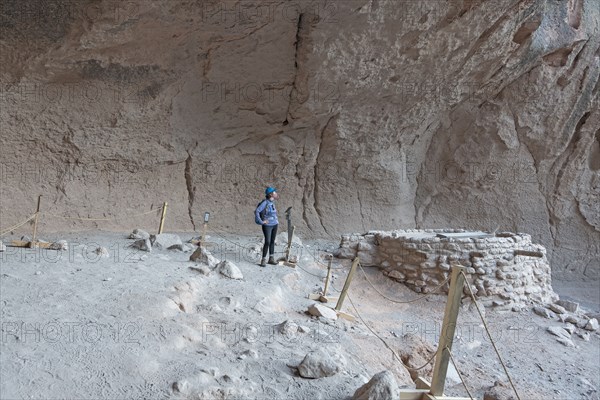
column 504, row 270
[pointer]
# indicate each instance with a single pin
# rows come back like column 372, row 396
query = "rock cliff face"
column 364, row 114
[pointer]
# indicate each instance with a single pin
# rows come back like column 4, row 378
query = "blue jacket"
column 270, row 214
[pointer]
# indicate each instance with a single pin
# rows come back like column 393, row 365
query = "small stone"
column 557, row 309
column 584, row 335
column 288, row 328
column 559, row 332
column 203, row 269
column 570, row 306
column 320, row 364
column 319, row 310
column 592, row 325
column 500, row 391
column 139, row 234
column 396, row 275
column 382, row 386
column 107, row 279
column 248, row 354
column 38, row 272
column 572, row 319
column 565, row 342
column 165, row 240
column 230, row 270
column 570, row 328
column 142, row 244
column 61, row 245
column 543, row 312
column 102, row 252
column 303, row 329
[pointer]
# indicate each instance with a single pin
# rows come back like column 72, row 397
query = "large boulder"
column 203, row 256
column 230, row 270
column 382, row 386
column 321, row 363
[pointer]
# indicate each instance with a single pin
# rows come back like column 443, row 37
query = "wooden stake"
column 203, row 237
column 35, row 221
column 340, row 302
column 328, row 276
column 162, row 218
column 442, row 357
column 289, row 244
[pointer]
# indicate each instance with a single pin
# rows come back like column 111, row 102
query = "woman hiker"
column 267, row 214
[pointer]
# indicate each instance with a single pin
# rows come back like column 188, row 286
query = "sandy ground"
column 144, row 325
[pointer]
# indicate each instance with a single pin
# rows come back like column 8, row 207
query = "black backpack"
column 261, row 214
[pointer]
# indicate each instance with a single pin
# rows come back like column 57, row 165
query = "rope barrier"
column 490, row 336
column 101, row 219
column 459, row 374
column 402, row 302
column 386, row 343
column 18, row 225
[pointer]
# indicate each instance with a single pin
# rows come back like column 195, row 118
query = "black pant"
column 270, row 232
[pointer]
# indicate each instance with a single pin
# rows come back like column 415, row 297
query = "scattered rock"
column 38, row 272
column 320, row 363
column 303, row 329
column 500, row 391
column 107, row 279
column 592, row 325
column 203, row 256
column 397, row 275
column 139, row 234
column 570, row 328
column 382, row 386
column 572, row 319
column 61, row 245
column 543, row 312
column 102, row 252
column 248, row 354
column 165, row 240
column 230, row 270
column 142, row 244
column 570, row 306
column 203, row 269
column 344, row 252
column 565, row 342
column 557, row 308
column 319, row 310
column 559, row 332
column 288, row 328
column 584, row 335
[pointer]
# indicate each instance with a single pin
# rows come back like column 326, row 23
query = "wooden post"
column 442, row 357
column 340, row 302
column 328, row 276
column 35, row 222
column 203, row 237
column 162, row 218
column 289, row 244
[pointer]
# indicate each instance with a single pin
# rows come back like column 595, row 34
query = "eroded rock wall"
column 366, row 114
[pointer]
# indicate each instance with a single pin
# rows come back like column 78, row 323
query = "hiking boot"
column 263, row 262
column 272, row 261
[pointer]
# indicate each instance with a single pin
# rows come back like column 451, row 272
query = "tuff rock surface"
column 365, row 114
